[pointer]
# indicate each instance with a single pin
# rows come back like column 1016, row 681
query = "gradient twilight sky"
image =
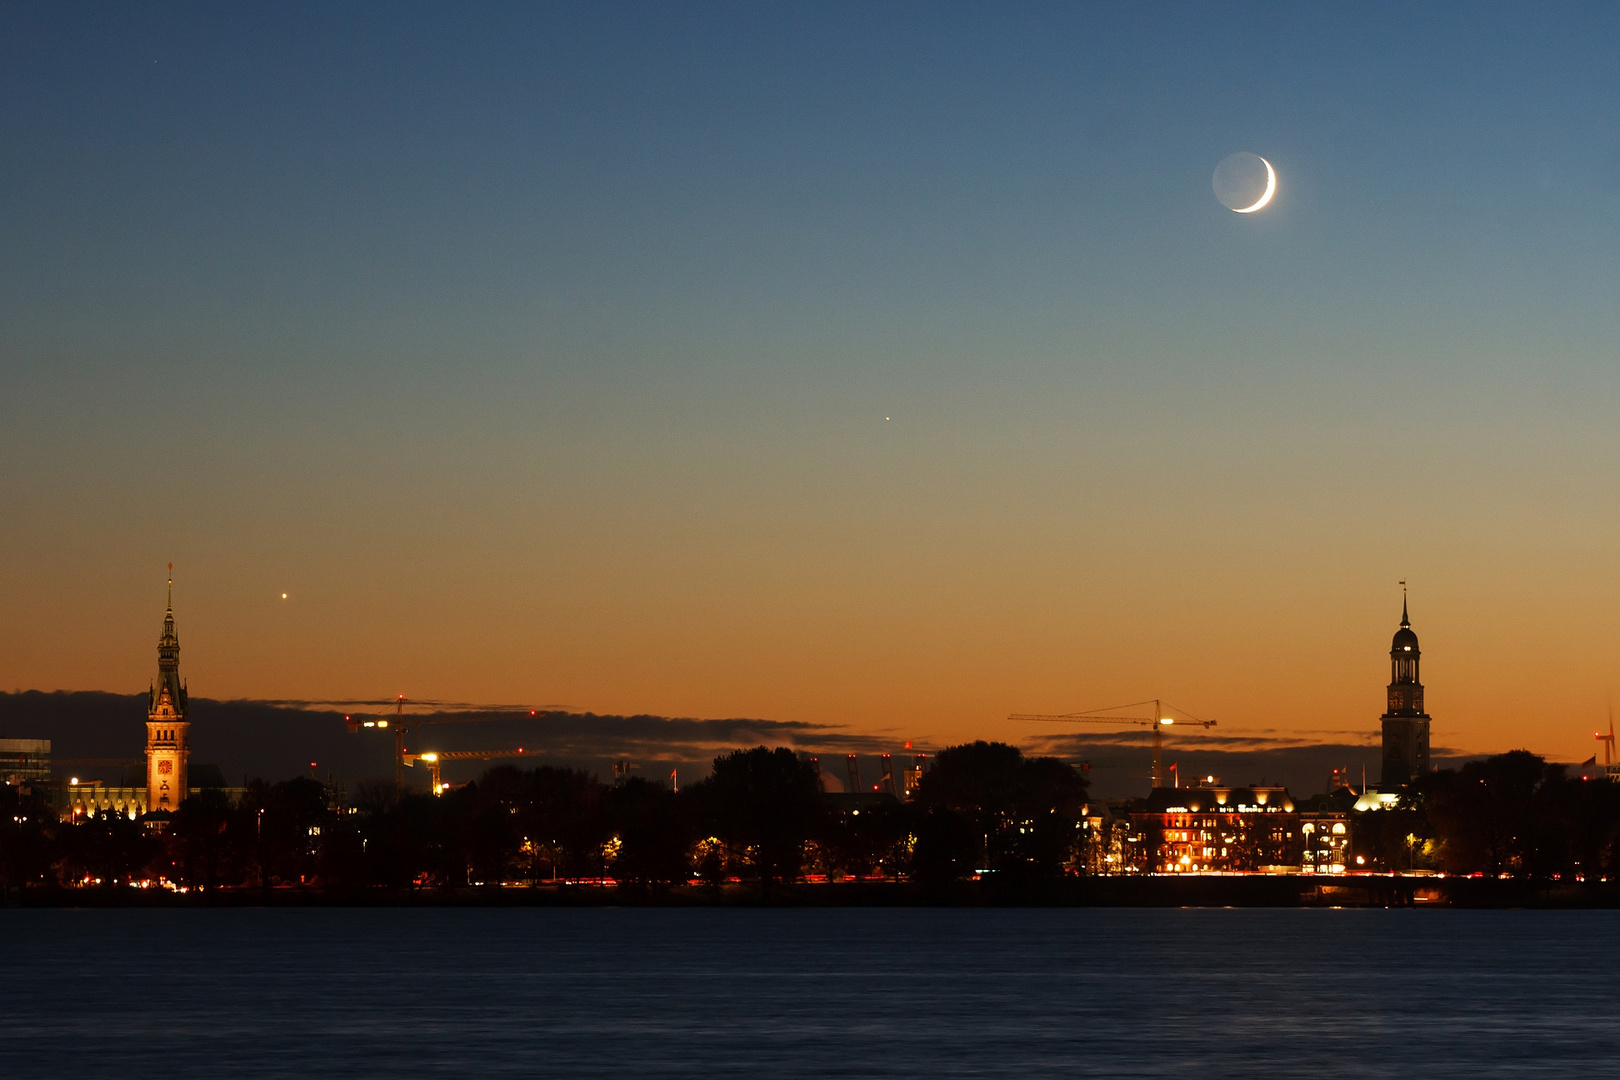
column 886, row 365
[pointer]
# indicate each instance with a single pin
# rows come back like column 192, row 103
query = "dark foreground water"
column 820, row 992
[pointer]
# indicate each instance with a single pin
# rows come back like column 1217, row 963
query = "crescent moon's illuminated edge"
column 1271, row 189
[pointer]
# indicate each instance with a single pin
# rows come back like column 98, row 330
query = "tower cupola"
column 1405, row 724
column 1404, row 654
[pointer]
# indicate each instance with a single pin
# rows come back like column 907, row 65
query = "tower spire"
column 169, row 641
column 168, row 738
column 1405, row 723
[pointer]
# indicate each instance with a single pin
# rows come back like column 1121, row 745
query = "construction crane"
column 402, row 723
column 1157, row 723
column 435, row 759
column 887, row 774
column 1608, row 747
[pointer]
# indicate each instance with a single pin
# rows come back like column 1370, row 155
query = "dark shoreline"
column 1256, row 891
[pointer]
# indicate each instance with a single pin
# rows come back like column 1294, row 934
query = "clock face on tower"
column 165, row 768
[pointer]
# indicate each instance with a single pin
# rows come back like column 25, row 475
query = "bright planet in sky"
column 1244, row 182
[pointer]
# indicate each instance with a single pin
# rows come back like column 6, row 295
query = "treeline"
column 1512, row 814
column 760, row 817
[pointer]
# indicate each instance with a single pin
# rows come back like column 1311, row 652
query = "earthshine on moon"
column 1244, row 183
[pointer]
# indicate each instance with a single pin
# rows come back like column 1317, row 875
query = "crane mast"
column 1156, row 725
column 402, row 723
column 435, row 759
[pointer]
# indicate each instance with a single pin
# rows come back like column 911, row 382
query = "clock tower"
column 168, row 733
column 1406, row 725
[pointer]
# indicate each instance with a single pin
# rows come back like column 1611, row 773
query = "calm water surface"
column 848, row 993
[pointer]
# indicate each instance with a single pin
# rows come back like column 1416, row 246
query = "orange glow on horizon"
column 1265, row 665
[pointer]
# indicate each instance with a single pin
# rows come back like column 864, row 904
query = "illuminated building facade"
column 25, row 761
column 1204, row 830
column 1325, row 843
column 1106, row 839
column 168, row 733
column 1406, row 725
column 911, row 776
column 88, row 799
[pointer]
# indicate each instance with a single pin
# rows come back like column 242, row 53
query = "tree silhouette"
column 764, row 805
column 1487, row 815
column 1021, row 815
column 655, row 829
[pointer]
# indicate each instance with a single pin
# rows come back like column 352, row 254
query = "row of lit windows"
column 1187, row 836
column 1181, row 817
column 1205, row 853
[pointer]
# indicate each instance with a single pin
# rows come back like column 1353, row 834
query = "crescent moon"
column 1271, row 189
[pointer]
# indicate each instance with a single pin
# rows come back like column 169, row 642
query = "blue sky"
column 544, row 351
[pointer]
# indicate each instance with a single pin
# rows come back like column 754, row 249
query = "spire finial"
column 171, row 586
column 1405, row 622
